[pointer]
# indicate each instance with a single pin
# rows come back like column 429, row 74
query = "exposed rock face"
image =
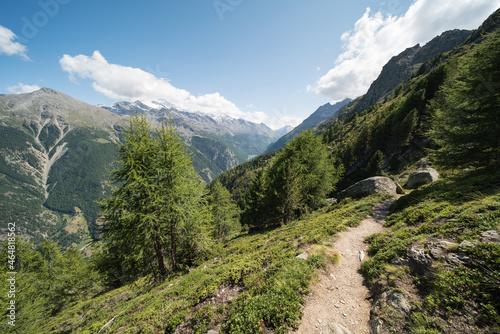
column 322, row 114
column 372, row 185
column 407, row 63
column 421, row 177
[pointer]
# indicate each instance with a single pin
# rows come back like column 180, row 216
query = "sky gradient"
column 267, row 61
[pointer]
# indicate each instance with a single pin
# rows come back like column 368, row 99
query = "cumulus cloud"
column 376, row 38
column 127, row 83
column 8, row 45
column 22, row 88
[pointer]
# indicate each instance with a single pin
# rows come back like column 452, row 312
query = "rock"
column 361, row 255
column 303, row 256
column 399, row 189
column 418, row 259
column 398, row 301
column 439, row 249
column 212, row 332
column 421, row 177
column 375, row 325
column 399, row 261
column 466, row 243
column 338, row 329
column 331, row 201
column 457, row 259
column 372, row 185
column 490, row 236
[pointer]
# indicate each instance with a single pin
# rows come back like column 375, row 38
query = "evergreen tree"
column 225, row 212
column 466, row 112
column 155, row 213
column 375, row 164
column 254, row 213
column 301, row 177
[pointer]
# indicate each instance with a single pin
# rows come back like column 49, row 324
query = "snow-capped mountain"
column 238, row 138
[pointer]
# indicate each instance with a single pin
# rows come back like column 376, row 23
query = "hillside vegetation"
column 169, row 261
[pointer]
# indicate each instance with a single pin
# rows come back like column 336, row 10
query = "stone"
column 399, row 189
column 331, row 201
column 418, row 255
column 466, row 243
column 212, row 332
column 398, row 301
column 303, row 256
column 338, row 329
column 439, row 249
column 490, row 236
column 418, row 259
column 370, row 186
column 399, row 261
column 375, row 326
column 457, row 259
column 361, row 255
column 422, row 177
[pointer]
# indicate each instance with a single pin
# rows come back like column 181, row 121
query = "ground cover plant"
column 252, row 282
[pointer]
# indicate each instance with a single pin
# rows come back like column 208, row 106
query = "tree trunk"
column 173, row 246
column 159, row 255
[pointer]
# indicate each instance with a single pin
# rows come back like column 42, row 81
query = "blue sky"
column 273, row 61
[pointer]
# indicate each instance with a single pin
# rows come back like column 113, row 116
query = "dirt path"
column 337, row 303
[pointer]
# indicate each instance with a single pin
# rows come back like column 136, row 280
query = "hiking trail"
column 337, row 303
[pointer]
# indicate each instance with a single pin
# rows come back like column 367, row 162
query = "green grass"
column 270, row 283
column 457, row 208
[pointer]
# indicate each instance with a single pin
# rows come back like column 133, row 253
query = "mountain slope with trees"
column 435, row 271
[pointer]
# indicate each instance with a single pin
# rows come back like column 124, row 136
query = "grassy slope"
column 260, row 269
column 446, row 298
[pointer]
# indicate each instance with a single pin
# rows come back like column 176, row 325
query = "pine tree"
column 225, row 212
column 155, row 213
column 466, row 111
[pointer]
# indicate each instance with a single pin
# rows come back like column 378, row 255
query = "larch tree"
column 225, row 213
column 154, row 217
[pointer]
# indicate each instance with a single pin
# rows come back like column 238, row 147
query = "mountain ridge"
column 322, row 114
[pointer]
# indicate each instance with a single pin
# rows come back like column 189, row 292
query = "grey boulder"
column 370, row 186
column 421, row 177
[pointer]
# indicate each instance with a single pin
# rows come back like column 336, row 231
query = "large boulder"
column 421, row 177
column 372, row 185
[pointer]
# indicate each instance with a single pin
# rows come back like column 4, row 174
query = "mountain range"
column 55, row 152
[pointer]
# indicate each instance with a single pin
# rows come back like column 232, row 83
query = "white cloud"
column 278, row 123
column 127, row 83
column 22, row 89
column 8, row 45
column 378, row 37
